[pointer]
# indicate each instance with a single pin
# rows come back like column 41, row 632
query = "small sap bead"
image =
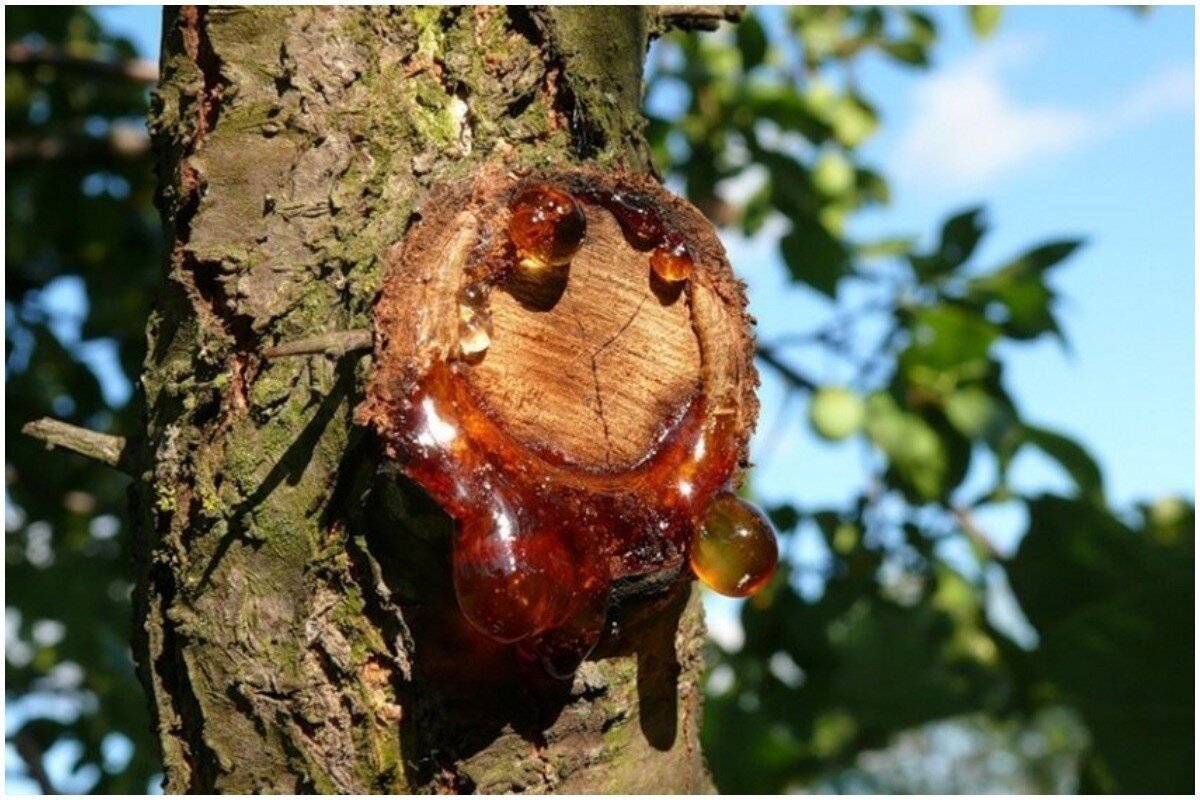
column 641, row 225
column 672, row 260
column 547, row 226
column 734, row 550
column 474, row 331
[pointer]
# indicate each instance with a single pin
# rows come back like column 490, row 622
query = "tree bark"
column 293, row 585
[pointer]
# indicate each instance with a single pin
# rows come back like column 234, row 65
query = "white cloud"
column 968, row 128
column 1172, row 89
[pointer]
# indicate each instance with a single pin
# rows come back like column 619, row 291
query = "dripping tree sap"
column 565, row 485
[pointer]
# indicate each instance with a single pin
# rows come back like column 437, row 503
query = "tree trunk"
column 294, row 585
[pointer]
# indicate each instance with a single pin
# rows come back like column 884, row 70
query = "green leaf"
column 923, row 462
column 960, row 236
column 921, row 27
column 802, row 114
column 1019, row 288
column 949, row 344
column 984, row 19
column 910, row 52
column 815, row 257
column 1035, row 262
column 751, row 41
column 1115, row 615
column 784, row 517
column 1078, row 463
column 872, row 187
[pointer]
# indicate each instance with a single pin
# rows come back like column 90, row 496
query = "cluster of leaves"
column 83, row 249
column 899, row 636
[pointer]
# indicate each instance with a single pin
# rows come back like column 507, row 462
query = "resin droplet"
column 509, row 582
column 672, row 260
column 474, row 330
column 641, row 225
column 734, row 550
column 547, row 226
column 562, row 649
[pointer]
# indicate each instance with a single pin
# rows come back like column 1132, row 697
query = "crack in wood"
column 596, row 375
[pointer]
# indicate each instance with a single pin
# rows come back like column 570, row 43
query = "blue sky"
column 1068, row 122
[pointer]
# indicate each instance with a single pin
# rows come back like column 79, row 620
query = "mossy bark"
column 293, row 586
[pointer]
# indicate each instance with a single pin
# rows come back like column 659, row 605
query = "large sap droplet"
column 734, row 551
column 562, row 649
column 510, row 581
column 547, row 226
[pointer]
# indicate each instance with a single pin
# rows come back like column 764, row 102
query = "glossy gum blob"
column 672, row 260
column 474, row 323
column 540, row 541
column 547, row 226
column 641, row 226
column 734, row 551
column 506, row 577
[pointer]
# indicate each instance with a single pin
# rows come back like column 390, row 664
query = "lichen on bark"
column 288, row 579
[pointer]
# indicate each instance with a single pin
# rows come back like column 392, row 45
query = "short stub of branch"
column 335, row 344
column 696, row 18
column 563, row 361
column 108, row 450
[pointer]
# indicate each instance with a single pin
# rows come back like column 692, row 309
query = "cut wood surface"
column 592, row 361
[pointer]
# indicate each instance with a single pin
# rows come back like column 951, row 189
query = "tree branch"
column 966, row 520
column 789, row 373
column 22, row 54
column 31, row 753
column 336, row 344
column 696, row 18
column 108, row 450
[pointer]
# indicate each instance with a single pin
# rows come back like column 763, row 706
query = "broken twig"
column 336, row 344
column 108, row 450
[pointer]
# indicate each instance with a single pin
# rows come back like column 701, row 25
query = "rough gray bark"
column 293, row 588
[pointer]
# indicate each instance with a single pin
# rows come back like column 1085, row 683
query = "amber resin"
column 734, row 552
column 671, row 260
column 642, row 227
column 546, row 226
column 540, row 538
